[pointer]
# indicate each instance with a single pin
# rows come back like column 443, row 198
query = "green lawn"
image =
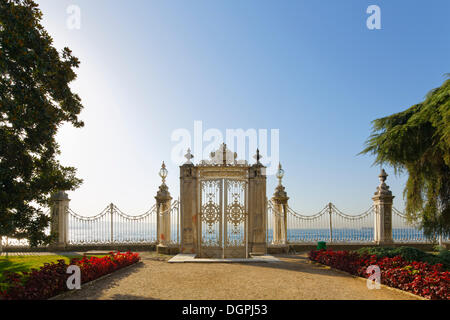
column 26, row 263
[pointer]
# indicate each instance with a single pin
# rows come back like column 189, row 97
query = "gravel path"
column 294, row 278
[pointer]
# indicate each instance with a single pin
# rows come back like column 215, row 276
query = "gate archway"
column 223, row 206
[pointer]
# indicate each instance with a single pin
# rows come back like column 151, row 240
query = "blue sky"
column 311, row 69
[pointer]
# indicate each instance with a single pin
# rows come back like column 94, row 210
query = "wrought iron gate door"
column 223, row 218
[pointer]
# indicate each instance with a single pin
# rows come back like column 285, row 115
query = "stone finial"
column 280, row 174
column 383, row 188
column 163, row 193
column 163, row 173
column 383, row 175
column 257, row 157
column 224, row 153
column 280, row 194
column 189, row 157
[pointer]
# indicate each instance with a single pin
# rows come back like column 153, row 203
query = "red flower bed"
column 421, row 278
column 51, row 279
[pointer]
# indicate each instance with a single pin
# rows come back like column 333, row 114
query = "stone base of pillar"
column 384, row 243
column 58, row 247
column 258, row 249
column 167, row 249
column 278, row 248
column 188, row 249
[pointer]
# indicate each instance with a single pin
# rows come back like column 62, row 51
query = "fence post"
column 59, row 218
column 280, row 202
column 178, row 221
column 163, row 205
column 111, row 212
column 330, row 211
column 382, row 202
column 257, row 207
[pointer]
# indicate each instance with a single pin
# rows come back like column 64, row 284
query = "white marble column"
column 163, row 205
column 257, row 206
column 59, row 218
column 382, row 201
column 280, row 203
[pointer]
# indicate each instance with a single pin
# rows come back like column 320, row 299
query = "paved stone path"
column 293, row 278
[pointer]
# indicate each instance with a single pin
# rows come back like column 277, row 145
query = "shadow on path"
column 298, row 263
column 130, row 297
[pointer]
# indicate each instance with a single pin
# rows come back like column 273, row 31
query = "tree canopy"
column 35, row 100
column 418, row 140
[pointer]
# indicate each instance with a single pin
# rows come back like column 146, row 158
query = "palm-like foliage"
column 418, row 140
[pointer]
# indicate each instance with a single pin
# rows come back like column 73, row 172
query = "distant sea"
column 352, row 235
column 293, row 235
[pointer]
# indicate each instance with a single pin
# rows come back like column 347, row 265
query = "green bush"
column 409, row 254
column 444, row 255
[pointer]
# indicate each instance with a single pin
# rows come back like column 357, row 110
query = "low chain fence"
column 332, row 225
column 404, row 231
column 112, row 226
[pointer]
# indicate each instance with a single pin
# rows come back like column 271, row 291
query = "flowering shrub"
column 51, row 279
column 421, row 278
column 409, row 254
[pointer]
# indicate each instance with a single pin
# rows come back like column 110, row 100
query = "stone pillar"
column 188, row 206
column 163, row 204
column 59, row 225
column 257, row 207
column 382, row 202
column 280, row 202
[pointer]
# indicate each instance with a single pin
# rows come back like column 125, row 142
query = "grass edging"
column 90, row 283
column 365, row 280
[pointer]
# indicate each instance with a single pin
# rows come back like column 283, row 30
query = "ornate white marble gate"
column 223, row 218
column 223, row 206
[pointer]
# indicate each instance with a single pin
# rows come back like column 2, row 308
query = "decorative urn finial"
column 383, row 188
column 383, row 176
column 188, row 156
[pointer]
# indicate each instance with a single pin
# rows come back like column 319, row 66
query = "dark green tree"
column 35, row 100
column 418, row 140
